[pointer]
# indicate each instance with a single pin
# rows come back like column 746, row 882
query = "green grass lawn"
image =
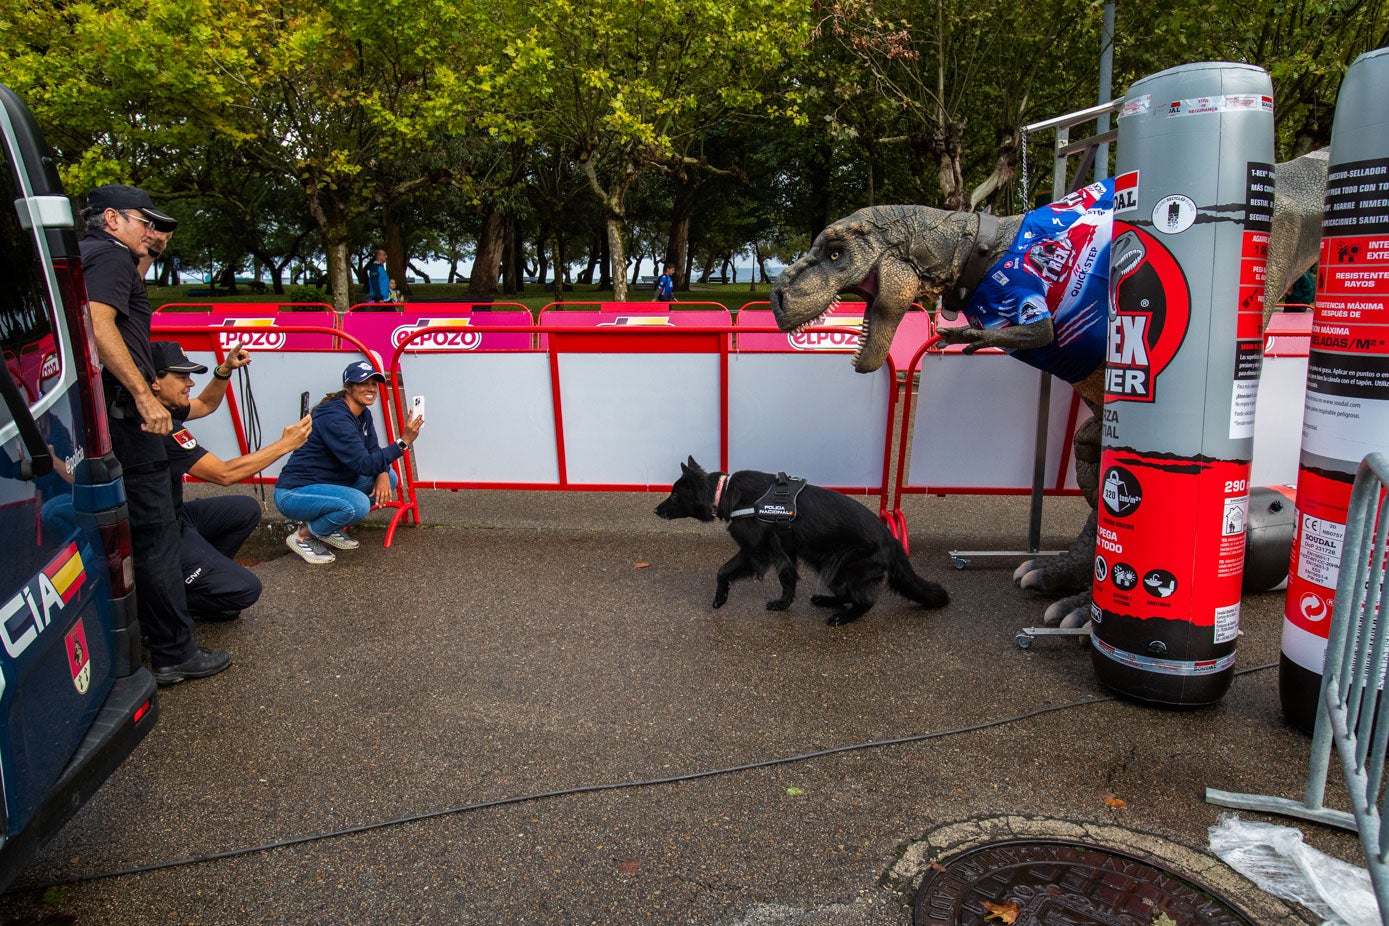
column 731, row 295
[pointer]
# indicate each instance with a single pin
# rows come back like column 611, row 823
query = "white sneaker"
column 340, row 540
column 313, row 552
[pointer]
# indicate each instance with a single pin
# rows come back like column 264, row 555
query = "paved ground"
column 526, row 712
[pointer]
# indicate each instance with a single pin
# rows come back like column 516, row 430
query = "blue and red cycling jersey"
column 1057, row 267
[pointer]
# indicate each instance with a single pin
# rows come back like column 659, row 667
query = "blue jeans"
column 326, row 508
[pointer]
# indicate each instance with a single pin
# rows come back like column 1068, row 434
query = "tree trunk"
column 394, row 243
column 339, row 268
column 678, row 245
column 487, row 264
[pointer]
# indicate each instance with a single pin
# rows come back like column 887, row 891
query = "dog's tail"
column 903, row 580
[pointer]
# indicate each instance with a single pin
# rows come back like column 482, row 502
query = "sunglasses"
column 148, row 223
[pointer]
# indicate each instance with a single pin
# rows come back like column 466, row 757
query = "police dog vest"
column 778, row 504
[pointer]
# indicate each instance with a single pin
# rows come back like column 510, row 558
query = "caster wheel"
column 1024, row 640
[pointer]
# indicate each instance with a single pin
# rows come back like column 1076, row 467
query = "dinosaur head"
column 869, row 255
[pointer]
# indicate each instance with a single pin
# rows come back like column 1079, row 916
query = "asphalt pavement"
column 526, row 711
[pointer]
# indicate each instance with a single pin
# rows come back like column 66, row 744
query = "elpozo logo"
column 828, row 338
column 448, row 334
column 245, row 332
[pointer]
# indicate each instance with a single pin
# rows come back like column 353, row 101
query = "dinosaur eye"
column 835, row 254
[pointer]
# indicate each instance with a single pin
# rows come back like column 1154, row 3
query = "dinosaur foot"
column 1068, row 612
column 1065, row 572
column 1070, row 572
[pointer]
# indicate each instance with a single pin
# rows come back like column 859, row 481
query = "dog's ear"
column 693, row 464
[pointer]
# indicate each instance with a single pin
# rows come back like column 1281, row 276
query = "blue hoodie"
column 341, row 449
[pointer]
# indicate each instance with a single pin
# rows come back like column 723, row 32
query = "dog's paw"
column 840, row 618
column 720, row 600
column 825, row 601
column 778, row 604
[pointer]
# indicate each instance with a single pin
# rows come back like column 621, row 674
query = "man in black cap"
column 214, row 528
column 119, row 222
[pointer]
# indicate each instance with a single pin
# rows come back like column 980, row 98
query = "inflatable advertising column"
column 1346, row 415
column 1193, row 206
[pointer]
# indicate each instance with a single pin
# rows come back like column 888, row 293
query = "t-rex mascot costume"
column 893, row 256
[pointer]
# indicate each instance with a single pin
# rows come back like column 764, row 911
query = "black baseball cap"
column 170, row 358
column 119, row 196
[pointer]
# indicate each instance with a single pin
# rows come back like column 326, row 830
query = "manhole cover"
column 1063, row 884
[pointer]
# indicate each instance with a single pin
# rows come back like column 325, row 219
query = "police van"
column 74, row 698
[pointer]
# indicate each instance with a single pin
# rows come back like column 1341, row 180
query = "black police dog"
column 850, row 548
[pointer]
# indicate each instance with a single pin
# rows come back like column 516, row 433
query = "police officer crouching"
column 213, row 529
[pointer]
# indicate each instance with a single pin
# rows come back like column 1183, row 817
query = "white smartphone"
column 417, row 405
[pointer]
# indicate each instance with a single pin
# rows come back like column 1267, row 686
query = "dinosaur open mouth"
column 866, row 289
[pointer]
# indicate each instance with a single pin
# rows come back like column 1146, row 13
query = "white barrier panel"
column 808, row 415
column 489, row 417
column 976, row 424
column 631, row 419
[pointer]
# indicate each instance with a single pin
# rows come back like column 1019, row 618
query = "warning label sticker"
column 1319, row 551
column 1227, row 623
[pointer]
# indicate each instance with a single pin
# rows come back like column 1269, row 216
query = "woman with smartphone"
column 342, row 472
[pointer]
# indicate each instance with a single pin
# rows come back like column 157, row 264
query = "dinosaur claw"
column 1068, row 612
column 1021, row 572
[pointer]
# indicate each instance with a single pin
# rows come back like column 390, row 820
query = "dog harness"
column 778, row 504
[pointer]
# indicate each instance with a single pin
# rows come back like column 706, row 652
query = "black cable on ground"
column 581, row 789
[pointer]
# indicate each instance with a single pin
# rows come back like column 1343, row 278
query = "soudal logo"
column 1121, row 492
column 1126, row 192
column 447, row 334
column 832, row 334
column 1151, row 309
column 251, row 333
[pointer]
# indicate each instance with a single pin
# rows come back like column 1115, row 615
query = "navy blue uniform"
column 113, row 278
column 213, row 530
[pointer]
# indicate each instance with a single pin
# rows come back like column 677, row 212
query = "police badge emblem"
column 79, row 658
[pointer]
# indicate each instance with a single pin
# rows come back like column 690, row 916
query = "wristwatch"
column 402, row 445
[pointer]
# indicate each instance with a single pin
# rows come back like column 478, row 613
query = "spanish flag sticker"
column 67, row 573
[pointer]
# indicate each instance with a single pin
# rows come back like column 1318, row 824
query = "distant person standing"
column 378, row 280
column 665, row 285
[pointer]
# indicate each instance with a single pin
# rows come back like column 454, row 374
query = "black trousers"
column 213, row 530
column 161, row 603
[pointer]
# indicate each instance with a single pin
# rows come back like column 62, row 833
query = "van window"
column 26, row 313
column 35, row 514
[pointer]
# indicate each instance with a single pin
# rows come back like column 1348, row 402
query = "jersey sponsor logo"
column 1152, row 308
column 250, row 334
column 41, row 601
column 51, row 366
column 446, row 334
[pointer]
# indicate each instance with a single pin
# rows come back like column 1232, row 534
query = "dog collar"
column 718, row 492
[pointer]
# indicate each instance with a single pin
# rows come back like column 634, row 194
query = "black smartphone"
column 303, row 404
